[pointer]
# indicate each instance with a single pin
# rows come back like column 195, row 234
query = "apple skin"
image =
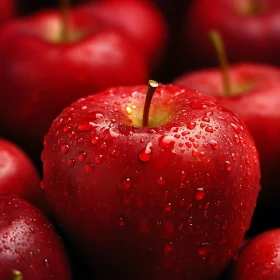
column 172, row 201
column 19, row 176
column 259, row 259
column 29, row 243
column 142, row 21
column 39, row 76
column 241, row 33
column 258, row 106
column 7, row 10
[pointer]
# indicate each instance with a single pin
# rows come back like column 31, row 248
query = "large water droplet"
column 168, row 207
column 71, row 162
column 191, row 125
column 209, row 129
column 65, row 148
column 160, row 181
column 146, row 153
column 204, row 249
column 82, row 156
column 228, row 165
column 199, row 194
column 126, row 184
column 214, row 144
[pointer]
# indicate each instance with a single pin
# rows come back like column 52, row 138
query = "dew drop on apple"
column 71, row 162
column 236, row 139
column 98, row 159
column 126, row 184
column 47, row 263
column 167, row 142
column 191, row 125
column 204, row 249
column 228, row 165
column 168, row 247
column 82, row 156
column 146, row 154
column 89, row 167
column 168, row 207
column 235, row 127
column 206, row 119
column 83, row 127
column 195, row 153
column 94, row 140
column 160, row 181
column 65, row 148
column 199, row 193
column 114, row 153
column 209, row 129
column 121, row 222
column 214, row 144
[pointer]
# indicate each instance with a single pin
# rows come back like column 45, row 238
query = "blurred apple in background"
column 250, row 29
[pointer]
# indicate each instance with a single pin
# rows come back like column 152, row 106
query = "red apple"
column 255, row 100
column 7, row 10
column 171, row 200
column 140, row 20
column 29, row 244
column 40, row 73
column 18, row 175
column 250, row 30
column 259, row 259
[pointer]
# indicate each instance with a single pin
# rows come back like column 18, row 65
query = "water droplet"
column 84, row 127
column 182, row 202
column 128, row 110
column 204, row 249
column 65, row 148
column 199, row 194
column 98, row 159
column 82, row 156
column 126, row 184
column 42, row 185
column 188, row 144
column 228, row 165
column 236, row 139
column 183, row 176
column 235, row 127
column 168, row 207
column 160, row 181
column 195, row 153
column 209, row 129
column 89, row 167
column 168, row 248
column 233, row 156
column 47, row 263
column 114, row 153
column 191, row 125
column 121, row 222
column 66, row 129
column 198, row 105
column 167, row 142
column 71, row 162
column 146, row 153
column 214, row 144
column 206, row 119
column 94, row 140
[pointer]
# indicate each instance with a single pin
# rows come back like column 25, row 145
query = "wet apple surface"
column 165, row 201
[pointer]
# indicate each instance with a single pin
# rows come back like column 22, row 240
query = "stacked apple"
column 140, row 181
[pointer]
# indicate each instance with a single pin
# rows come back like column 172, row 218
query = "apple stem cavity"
column 152, row 86
column 218, row 43
column 65, row 7
column 17, row 275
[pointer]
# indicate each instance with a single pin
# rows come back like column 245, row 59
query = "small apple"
column 255, row 99
column 43, row 68
column 29, row 248
column 250, row 30
column 259, row 259
column 164, row 190
column 142, row 21
column 19, row 176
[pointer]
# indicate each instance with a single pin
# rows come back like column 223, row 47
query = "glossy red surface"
column 170, row 201
column 29, row 243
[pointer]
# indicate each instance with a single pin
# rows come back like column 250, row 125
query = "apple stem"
column 64, row 7
column 17, row 275
column 152, row 86
column 220, row 50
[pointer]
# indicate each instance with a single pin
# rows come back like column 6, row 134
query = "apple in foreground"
column 42, row 70
column 250, row 30
column 255, row 99
column 166, row 194
column 19, row 176
column 259, row 259
column 30, row 248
